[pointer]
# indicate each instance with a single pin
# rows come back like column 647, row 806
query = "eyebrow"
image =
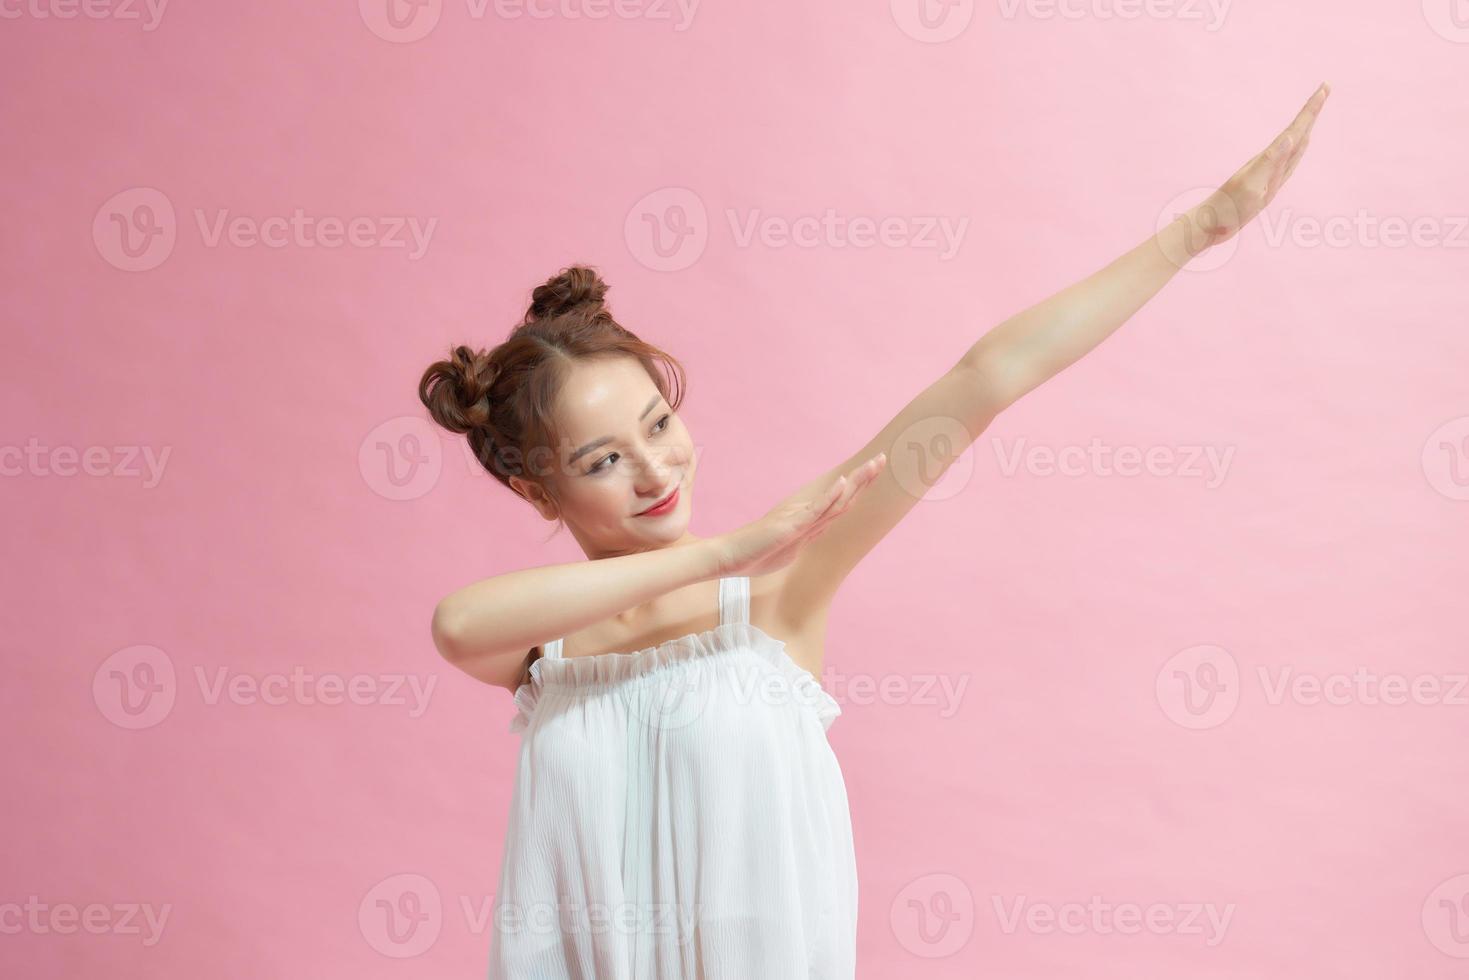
column 606, row 439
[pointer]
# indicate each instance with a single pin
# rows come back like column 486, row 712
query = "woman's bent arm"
column 486, row 628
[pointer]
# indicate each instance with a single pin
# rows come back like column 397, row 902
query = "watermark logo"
column 653, row 10
column 932, row 21
column 1364, row 230
column 1102, row 918
column 125, row 462
column 39, row 918
column 944, row 693
column 400, row 21
column 401, row 459
column 135, row 687
column 1446, row 917
column 306, row 688
column 401, row 916
column 932, row 459
column 149, row 13
column 1448, row 18
column 1199, row 687
column 1210, row 13
column 933, row 916
column 1362, row 686
column 406, row 21
column 671, row 701
column 1207, row 463
column 1288, row 227
column 831, row 230
column 1192, row 251
column 1446, row 458
column 668, row 229
column 135, row 230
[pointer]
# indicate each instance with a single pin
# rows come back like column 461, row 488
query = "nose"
column 654, row 474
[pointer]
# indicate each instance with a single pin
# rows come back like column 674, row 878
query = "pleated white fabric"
column 678, row 814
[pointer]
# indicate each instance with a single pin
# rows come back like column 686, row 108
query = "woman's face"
column 623, row 450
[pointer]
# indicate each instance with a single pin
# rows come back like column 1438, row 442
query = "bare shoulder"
column 800, row 625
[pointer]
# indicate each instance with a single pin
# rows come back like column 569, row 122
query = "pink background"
column 306, row 519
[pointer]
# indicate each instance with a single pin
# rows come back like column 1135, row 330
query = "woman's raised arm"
column 1035, row 345
column 1017, row 356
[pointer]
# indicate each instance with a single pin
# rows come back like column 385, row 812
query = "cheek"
column 684, row 447
column 604, row 497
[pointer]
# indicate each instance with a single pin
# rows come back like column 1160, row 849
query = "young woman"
column 677, row 811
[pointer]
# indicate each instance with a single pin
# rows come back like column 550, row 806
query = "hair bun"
column 574, row 288
column 456, row 391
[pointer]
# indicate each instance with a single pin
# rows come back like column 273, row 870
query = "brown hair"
column 501, row 399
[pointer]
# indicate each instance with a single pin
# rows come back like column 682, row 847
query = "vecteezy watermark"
column 932, row 21
column 1208, row 463
column 1446, row 916
column 1449, row 19
column 39, row 918
column 404, row 914
column 1201, row 686
column 1210, row 13
column 120, row 462
column 136, row 687
column 1364, row 230
column 406, row 21
column 147, row 12
column 933, row 915
column 304, row 687
column 1287, row 226
column 1102, row 918
column 941, row 692
column 930, row 232
column 401, row 459
column 1446, row 458
column 566, row 918
column 668, row 230
column 1362, row 685
column 136, row 229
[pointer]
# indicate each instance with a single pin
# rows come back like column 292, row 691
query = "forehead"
column 603, row 397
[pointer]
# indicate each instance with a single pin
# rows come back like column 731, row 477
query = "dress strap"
column 734, row 600
column 552, row 650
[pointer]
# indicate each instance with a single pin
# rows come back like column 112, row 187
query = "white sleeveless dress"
column 678, row 814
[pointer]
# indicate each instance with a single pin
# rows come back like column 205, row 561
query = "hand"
column 773, row 541
column 1252, row 188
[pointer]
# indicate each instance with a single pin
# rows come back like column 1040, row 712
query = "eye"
column 659, row 426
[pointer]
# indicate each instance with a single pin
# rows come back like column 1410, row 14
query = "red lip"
column 662, row 507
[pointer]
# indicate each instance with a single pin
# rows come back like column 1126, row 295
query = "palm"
column 772, row 542
column 1251, row 189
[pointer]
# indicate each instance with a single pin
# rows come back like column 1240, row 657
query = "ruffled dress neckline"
column 598, row 672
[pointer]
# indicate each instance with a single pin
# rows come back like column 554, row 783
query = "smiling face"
column 622, row 451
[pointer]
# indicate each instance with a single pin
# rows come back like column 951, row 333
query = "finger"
column 1279, row 162
column 1294, row 135
column 839, row 506
column 1306, row 118
column 1290, row 168
column 869, row 467
column 830, row 500
column 843, row 505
